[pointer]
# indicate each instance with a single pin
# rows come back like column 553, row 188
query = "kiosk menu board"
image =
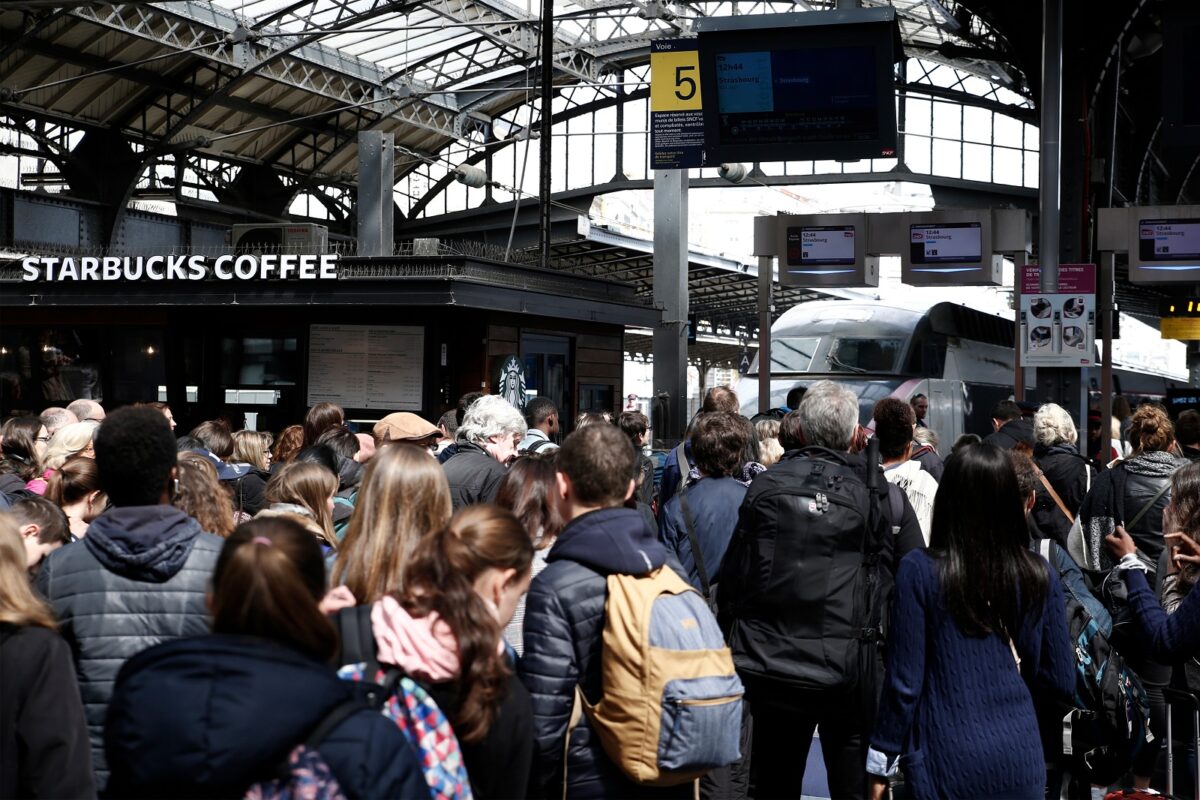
column 367, row 367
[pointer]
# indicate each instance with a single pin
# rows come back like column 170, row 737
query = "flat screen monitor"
column 1169, row 239
column 799, row 92
column 824, row 246
column 949, row 243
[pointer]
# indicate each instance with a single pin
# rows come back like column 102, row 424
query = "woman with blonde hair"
column 252, row 448
column 304, row 490
column 200, row 495
column 71, row 440
column 43, row 734
column 403, row 497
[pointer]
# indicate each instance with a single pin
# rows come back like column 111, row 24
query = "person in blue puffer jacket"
column 210, row 716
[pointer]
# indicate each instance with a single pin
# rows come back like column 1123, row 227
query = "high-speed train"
column 958, row 357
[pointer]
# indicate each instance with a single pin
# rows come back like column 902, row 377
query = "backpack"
column 821, row 629
column 305, row 775
column 685, row 466
column 671, row 708
column 1111, row 723
column 406, row 703
column 538, row 446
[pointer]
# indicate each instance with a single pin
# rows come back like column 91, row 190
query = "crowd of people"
column 485, row 607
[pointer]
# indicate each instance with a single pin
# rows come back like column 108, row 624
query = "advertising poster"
column 1059, row 330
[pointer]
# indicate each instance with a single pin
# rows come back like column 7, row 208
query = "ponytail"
column 441, row 578
column 73, row 481
column 267, row 583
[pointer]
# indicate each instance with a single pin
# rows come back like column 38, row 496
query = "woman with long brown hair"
column 44, row 745
column 527, row 490
column 208, row 716
column 200, row 495
column 321, row 418
column 305, row 491
column 75, row 488
column 443, row 631
column 403, row 497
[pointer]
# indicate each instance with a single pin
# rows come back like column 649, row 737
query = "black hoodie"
column 138, row 578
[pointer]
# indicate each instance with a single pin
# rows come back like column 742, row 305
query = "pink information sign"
column 1072, row 279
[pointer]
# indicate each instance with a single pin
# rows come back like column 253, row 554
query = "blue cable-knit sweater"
column 1166, row 638
column 955, row 705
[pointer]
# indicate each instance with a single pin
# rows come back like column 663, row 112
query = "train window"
column 793, row 353
column 864, row 355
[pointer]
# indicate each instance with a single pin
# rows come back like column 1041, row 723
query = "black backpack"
column 820, row 628
column 1110, row 724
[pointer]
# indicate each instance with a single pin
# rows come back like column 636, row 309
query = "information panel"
column 1059, row 330
column 954, row 243
column 1169, row 239
column 676, row 115
column 368, row 367
column 831, row 245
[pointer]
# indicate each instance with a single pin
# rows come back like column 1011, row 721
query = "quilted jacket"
column 136, row 579
column 564, row 624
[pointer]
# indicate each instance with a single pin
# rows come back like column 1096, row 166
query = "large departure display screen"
column 950, row 243
column 789, row 89
column 797, row 96
column 1169, row 239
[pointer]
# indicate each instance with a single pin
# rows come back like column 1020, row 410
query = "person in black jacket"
column 718, row 442
column 443, row 630
column 787, row 588
column 244, row 482
column 139, row 576
column 1064, row 468
column 43, row 734
column 487, row 438
column 1187, row 434
column 564, row 614
column 209, row 716
column 1008, row 426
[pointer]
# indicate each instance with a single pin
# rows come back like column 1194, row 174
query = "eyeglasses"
column 43, row 439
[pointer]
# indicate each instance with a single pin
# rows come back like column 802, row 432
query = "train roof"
column 884, row 319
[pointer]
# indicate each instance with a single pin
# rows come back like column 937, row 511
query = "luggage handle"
column 1185, row 698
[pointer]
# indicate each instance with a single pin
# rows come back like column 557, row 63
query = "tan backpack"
column 671, row 708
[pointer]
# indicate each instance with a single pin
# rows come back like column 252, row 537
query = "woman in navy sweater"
column 978, row 627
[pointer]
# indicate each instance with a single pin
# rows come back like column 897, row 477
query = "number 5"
column 681, row 79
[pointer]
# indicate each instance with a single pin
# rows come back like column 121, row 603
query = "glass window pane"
column 977, row 162
column 947, row 158
column 977, row 125
column 917, row 116
column 1008, row 166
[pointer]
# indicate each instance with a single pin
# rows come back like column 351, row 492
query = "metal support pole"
column 1050, row 186
column 1019, row 262
column 671, row 295
column 1105, row 306
column 545, row 127
column 766, row 266
column 376, row 177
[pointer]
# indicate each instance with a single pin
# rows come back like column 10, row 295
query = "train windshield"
column 869, row 393
column 793, row 353
column 864, row 355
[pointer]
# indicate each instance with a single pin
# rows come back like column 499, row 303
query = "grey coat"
column 136, row 579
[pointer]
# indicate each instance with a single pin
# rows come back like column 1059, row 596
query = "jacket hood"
column 143, row 543
column 1061, row 449
column 247, row 703
column 610, row 540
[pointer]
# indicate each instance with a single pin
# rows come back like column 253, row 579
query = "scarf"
column 1104, row 507
column 424, row 648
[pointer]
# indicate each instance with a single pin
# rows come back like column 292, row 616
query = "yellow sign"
column 1183, row 328
column 675, row 81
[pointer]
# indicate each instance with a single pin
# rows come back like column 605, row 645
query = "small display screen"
column 953, row 243
column 821, row 247
column 1169, row 239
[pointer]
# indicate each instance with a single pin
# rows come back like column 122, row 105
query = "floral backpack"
column 407, row 704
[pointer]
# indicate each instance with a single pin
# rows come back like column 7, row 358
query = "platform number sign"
column 676, row 116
